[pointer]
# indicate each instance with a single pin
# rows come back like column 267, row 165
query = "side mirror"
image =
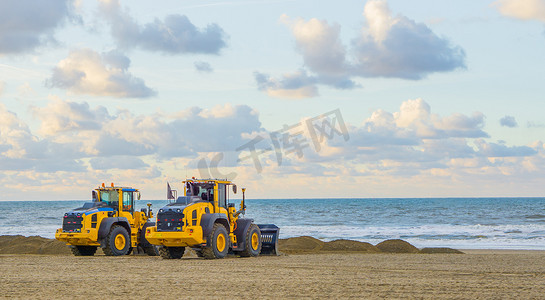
column 138, row 196
column 234, row 188
column 95, row 196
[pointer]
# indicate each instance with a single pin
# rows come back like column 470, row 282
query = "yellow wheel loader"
column 109, row 222
column 203, row 219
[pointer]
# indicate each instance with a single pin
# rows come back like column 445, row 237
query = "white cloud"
column 85, row 71
column 2, row 84
column 20, row 149
column 501, row 150
column 533, row 124
column 175, row 35
column 123, row 162
column 292, row 85
column 25, row 90
column 319, row 44
column 411, row 146
column 14, row 133
column 63, row 116
column 409, row 142
column 508, row 121
column 387, row 46
column 180, row 134
column 416, row 115
column 399, row 47
column 203, row 67
column 28, row 24
column 522, row 9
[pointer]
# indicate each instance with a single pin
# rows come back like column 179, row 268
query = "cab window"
column 128, row 200
column 222, row 201
column 109, row 197
column 204, row 190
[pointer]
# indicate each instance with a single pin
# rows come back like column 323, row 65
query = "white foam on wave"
column 458, row 236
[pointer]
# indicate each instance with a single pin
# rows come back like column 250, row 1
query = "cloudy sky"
column 290, row 98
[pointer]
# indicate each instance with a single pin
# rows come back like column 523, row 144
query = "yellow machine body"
column 190, row 233
column 91, row 225
column 204, row 220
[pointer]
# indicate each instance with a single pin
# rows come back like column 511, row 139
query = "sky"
column 289, row 98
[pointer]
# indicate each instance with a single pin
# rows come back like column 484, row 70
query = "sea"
column 461, row 223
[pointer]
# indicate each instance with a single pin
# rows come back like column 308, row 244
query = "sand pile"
column 307, row 244
column 18, row 244
column 397, row 246
column 300, row 244
column 440, row 250
column 349, row 246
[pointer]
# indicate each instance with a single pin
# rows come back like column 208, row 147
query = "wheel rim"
column 119, row 242
column 220, row 242
column 255, row 241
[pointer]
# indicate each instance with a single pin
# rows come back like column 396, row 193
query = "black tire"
column 83, row 250
column 148, row 248
column 118, row 241
column 252, row 242
column 171, row 252
column 151, row 250
column 219, row 243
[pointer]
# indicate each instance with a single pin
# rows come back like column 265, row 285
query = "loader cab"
column 204, row 190
column 213, row 191
column 121, row 199
column 110, row 197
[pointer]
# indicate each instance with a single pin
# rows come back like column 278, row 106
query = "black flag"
column 170, row 194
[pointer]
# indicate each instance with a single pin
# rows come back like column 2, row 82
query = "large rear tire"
column 252, row 242
column 118, row 241
column 83, row 250
column 171, row 252
column 219, row 243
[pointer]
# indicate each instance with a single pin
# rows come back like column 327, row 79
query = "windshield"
column 109, row 197
column 203, row 190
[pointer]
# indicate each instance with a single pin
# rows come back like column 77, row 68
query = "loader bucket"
column 269, row 239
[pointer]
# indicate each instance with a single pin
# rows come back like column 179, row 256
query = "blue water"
column 463, row 223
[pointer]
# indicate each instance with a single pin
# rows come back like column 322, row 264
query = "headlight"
column 178, row 210
column 161, row 210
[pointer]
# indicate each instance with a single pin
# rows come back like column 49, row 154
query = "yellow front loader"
column 109, row 222
column 203, row 219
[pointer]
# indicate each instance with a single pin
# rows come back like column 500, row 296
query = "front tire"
column 252, row 242
column 83, row 250
column 148, row 248
column 117, row 242
column 171, row 252
column 219, row 243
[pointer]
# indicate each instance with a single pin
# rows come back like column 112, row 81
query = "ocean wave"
column 472, row 223
column 472, row 236
column 534, row 217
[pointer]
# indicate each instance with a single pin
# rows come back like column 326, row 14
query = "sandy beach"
column 335, row 275
column 477, row 274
